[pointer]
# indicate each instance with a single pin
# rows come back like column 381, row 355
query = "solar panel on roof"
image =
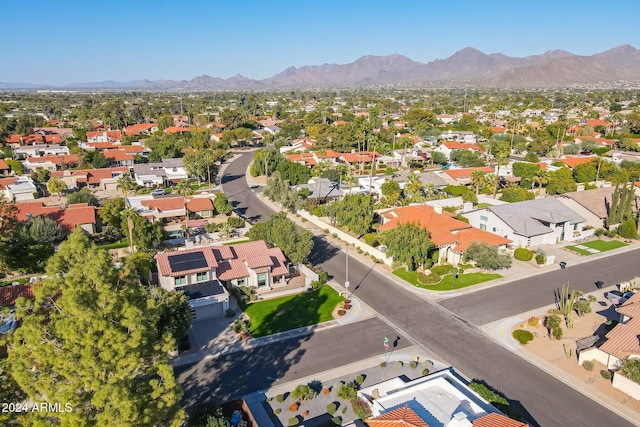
column 184, row 262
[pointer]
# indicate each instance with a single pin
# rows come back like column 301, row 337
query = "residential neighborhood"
column 350, row 258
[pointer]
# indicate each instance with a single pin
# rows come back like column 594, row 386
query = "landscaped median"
column 596, row 246
column 446, row 283
column 293, row 311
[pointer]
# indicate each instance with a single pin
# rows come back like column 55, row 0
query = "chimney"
column 437, row 209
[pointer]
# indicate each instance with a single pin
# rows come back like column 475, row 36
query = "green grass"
column 293, row 311
column 601, row 245
column 116, row 245
column 21, row 281
column 236, row 242
column 463, row 280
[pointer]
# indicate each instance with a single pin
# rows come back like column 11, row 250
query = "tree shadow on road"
column 323, row 251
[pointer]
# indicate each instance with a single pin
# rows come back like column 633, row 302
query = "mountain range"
column 468, row 67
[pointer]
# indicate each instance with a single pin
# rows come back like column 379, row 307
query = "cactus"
column 565, row 301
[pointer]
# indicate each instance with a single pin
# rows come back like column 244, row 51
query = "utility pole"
column 346, row 277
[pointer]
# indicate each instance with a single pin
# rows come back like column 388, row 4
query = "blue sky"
column 64, row 41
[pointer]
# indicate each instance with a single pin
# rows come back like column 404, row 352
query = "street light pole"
column 455, row 276
column 346, row 277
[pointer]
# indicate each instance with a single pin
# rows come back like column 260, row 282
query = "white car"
column 158, row 192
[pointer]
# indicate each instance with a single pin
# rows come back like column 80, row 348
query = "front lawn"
column 293, row 311
column 446, row 283
column 599, row 245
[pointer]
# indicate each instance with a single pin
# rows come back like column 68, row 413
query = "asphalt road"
column 544, row 400
column 237, row 374
column 496, row 303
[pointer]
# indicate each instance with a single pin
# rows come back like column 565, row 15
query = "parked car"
column 158, row 192
column 616, row 297
column 628, row 295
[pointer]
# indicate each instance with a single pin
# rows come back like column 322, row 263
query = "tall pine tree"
column 90, row 339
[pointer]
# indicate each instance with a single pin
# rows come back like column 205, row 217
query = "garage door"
column 211, row 310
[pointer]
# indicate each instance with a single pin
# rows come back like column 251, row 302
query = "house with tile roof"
column 462, row 176
column 141, row 129
column 77, row 214
column 174, row 208
column 593, row 205
column 447, row 147
column 51, row 162
column 440, row 399
column 573, row 161
column 104, row 136
column 118, row 158
column 5, row 170
column 202, row 272
column 8, row 297
column 531, row 222
column 103, row 178
column 447, row 233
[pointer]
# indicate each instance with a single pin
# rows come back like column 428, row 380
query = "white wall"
column 626, row 385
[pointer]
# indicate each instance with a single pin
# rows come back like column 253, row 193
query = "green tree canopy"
column 408, row 244
column 83, row 196
column 487, row 257
column 91, row 339
column 56, row 186
column 561, row 181
column 516, row 195
column 111, row 212
column 355, row 212
column 281, row 232
column 221, row 204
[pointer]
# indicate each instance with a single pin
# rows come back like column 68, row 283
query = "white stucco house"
column 532, row 222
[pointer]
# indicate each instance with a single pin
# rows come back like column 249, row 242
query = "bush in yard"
column 491, row 396
column 347, row 391
column 588, row 365
column 361, row 408
column 371, row 239
column 413, row 364
column 305, row 413
column 582, row 307
column 487, row 257
column 280, row 398
column 293, row 421
column 522, row 336
column 277, row 411
column 533, row 321
column 605, row 374
column 431, row 279
column 631, row 369
column 540, row 259
column 303, row 392
column 383, row 364
column 325, row 391
column 600, row 231
column 337, row 420
column 628, row 229
column 359, row 379
column 293, row 407
column 425, row 371
column 399, row 365
column 441, row 270
column 235, row 222
column 554, row 326
column 331, row 408
column 229, row 313
column 523, row 254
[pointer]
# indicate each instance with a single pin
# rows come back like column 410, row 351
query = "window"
column 262, row 280
column 201, row 277
column 575, row 227
column 494, row 229
column 241, row 282
column 483, row 227
column 483, row 218
column 180, row 280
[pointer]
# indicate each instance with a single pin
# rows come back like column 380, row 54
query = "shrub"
column 293, row 421
column 229, row 313
column 605, row 374
column 600, row 231
column 337, row 420
column 303, row 392
column 325, row 391
column 360, row 379
column 556, row 333
column 522, row 336
column 631, row 369
column 293, row 407
column 540, row 259
column 582, row 307
column 280, row 398
column 371, row 239
column 413, row 364
column 235, row 222
column 361, row 408
column 588, row 365
column 331, row 408
column 383, row 364
column 441, row 270
column 523, row 254
column 399, row 365
column 305, row 413
column 425, row 371
column 277, row 411
column 533, row 321
column 628, row 229
column 491, row 396
column 431, row 279
column 347, row 391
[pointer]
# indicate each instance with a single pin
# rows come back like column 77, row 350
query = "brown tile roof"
column 232, row 269
column 453, row 145
column 77, row 214
column 623, row 340
column 474, row 235
column 199, row 204
column 117, row 155
column 36, row 208
column 92, row 176
column 497, row 420
column 403, row 416
column 596, row 200
column 363, row 156
column 164, row 204
column 103, row 145
column 9, row 294
column 279, row 262
column 465, row 173
column 142, row 127
column 4, row 165
column 65, row 159
column 177, row 129
column 631, row 307
column 7, row 181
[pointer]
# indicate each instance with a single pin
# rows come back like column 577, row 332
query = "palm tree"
column 126, row 184
column 541, row 178
column 478, row 179
column 184, row 187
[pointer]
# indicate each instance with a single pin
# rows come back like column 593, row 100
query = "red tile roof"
column 36, row 208
column 232, row 269
column 92, row 176
column 176, row 129
column 52, row 138
column 497, row 420
column 4, row 165
column 7, row 181
column 363, row 156
column 77, row 214
column 403, row 416
column 117, row 155
column 164, row 204
column 9, row 294
column 13, row 138
column 137, row 129
column 443, row 228
column 103, row 145
column 453, row 145
column 199, row 204
column 572, row 162
column 164, row 265
column 306, row 158
column 465, row 173
column 64, row 159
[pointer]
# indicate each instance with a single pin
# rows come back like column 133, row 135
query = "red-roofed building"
column 118, row 157
column 178, row 129
column 358, row 157
column 463, row 176
column 80, row 214
column 9, row 294
column 448, row 146
column 104, row 136
column 51, row 162
column 449, row 234
column 173, row 208
column 4, row 168
column 104, row 178
column 199, row 271
column 497, row 420
column 142, row 128
column 573, row 161
column 400, row 417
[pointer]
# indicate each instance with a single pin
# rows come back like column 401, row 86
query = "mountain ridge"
column 553, row 68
